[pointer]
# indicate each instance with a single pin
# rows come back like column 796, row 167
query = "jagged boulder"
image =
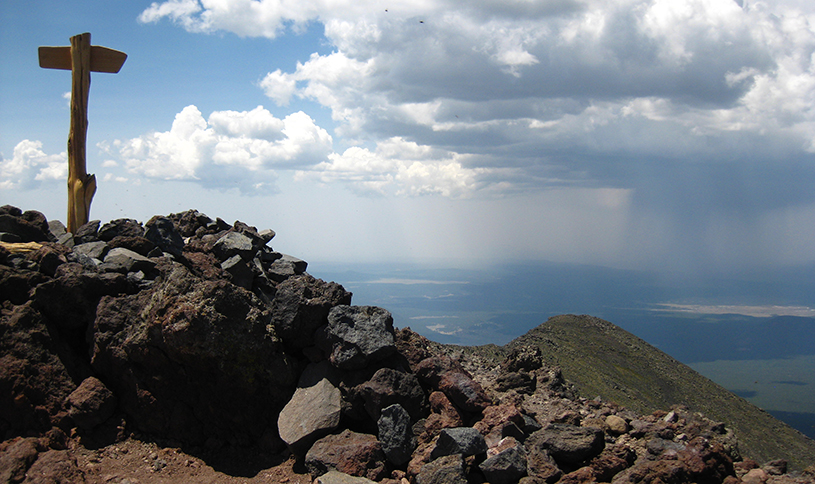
column 301, row 305
column 396, row 434
column 358, row 335
column 446, row 375
column 465, row 441
column 162, row 232
column 387, row 387
column 506, row 467
column 312, row 412
column 34, row 382
column 123, row 227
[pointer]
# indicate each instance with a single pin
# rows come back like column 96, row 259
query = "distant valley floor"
column 767, row 359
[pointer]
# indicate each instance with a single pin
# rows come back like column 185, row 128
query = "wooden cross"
column 80, row 58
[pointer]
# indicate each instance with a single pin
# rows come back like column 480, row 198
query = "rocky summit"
column 186, row 349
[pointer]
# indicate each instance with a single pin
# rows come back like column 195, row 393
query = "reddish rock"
column 434, row 424
column 17, row 458
column 755, row 476
column 91, row 403
column 701, row 461
column 387, row 387
column 569, row 445
column 430, row 370
column 349, row 452
column 413, row 346
column 55, row 467
column 34, row 381
column 465, row 392
column 612, row 461
column 584, row 475
column 440, row 404
column 498, row 416
column 193, row 359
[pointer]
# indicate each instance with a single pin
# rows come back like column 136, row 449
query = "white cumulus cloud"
column 230, row 149
column 529, row 95
column 401, row 167
column 29, row 166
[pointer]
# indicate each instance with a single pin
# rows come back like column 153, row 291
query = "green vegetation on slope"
column 599, row 358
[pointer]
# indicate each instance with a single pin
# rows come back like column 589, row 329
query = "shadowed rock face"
column 193, row 358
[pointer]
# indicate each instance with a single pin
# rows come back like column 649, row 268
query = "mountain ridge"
column 600, row 358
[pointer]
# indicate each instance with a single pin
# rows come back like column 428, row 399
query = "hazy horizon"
column 674, row 137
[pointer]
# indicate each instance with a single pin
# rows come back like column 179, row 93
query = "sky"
column 664, row 135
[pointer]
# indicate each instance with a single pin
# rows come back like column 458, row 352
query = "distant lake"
column 754, row 333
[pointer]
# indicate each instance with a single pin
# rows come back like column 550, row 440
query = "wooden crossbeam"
column 81, row 58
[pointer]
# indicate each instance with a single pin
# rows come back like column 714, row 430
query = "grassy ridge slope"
column 602, row 359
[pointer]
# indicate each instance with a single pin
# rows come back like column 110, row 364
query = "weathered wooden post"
column 80, row 58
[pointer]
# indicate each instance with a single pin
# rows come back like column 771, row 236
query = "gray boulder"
column 125, row 260
column 396, row 434
column 311, row 413
column 466, row 441
column 568, row 444
column 232, row 244
column 286, row 266
column 358, row 335
column 162, row 232
column 301, row 305
column 505, row 467
column 94, row 250
column 241, row 273
column 444, row 470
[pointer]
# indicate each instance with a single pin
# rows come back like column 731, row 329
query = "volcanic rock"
column 123, row 227
column 17, row 458
column 387, row 387
column 396, row 434
column 336, row 477
column 162, row 232
column 466, row 441
column 193, row 358
column 358, row 335
column 568, row 444
column 506, row 467
column 349, row 452
column 444, row 470
column 301, row 305
column 312, row 412
column 91, row 403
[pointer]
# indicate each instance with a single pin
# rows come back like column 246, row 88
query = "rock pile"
column 195, row 331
